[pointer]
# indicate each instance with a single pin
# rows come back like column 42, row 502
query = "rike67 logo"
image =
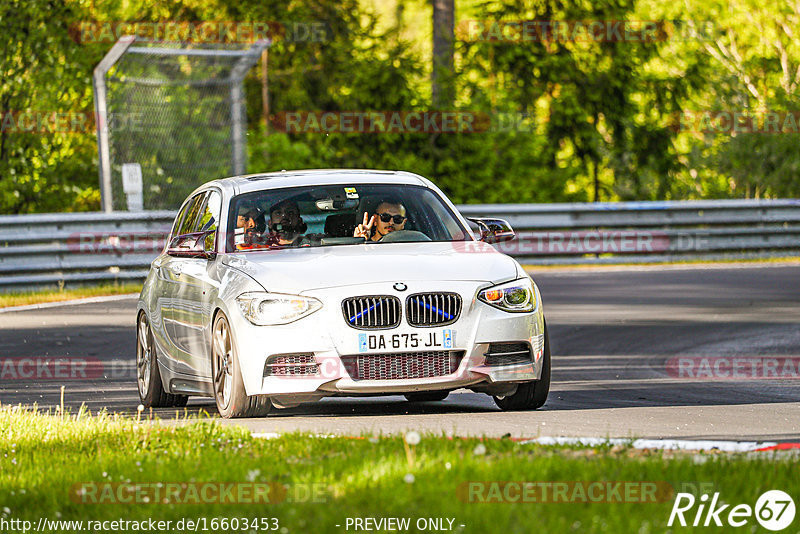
column 774, row 510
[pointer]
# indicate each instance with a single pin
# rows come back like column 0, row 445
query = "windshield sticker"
column 351, row 192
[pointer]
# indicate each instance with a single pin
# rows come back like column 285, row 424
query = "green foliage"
column 763, row 164
column 736, row 57
column 43, row 71
column 598, row 117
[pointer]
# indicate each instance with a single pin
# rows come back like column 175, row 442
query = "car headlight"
column 516, row 296
column 266, row 309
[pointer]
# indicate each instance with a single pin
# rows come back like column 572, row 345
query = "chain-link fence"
column 171, row 117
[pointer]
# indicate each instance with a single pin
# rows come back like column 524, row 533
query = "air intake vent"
column 372, row 312
column 433, row 309
column 301, row 364
column 508, row 354
column 402, row 365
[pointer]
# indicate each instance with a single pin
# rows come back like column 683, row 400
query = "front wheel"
column 229, row 393
column 530, row 395
column 151, row 390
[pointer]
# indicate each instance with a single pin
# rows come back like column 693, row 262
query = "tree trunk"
column 443, row 41
column 596, row 181
column 265, row 88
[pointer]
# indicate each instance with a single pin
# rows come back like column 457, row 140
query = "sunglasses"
column 385, row 217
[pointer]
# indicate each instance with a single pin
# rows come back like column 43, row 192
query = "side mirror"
column 494, row 230
column 191, row 246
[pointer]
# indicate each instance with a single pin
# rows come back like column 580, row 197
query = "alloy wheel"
column 144, row 356
column 223, row 373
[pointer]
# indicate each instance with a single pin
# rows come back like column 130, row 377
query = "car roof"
column 276, row 180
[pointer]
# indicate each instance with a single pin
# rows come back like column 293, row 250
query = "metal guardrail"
column 68, row 248
column 72, row 248
column 648, row 232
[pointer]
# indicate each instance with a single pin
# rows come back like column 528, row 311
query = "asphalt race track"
column 658, row 352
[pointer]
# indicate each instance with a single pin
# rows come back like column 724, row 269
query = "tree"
column 601, row 113
column 44, row 77
column 752, row 67
column 443, row 42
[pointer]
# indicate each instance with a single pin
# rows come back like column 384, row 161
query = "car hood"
column 297, row 270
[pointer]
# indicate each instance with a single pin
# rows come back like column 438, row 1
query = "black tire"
column 229, row 393
column 427, row 396
column 530, row 395
column 151, row 389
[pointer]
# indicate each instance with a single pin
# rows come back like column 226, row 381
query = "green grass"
column 43, row 457
column 23, row 298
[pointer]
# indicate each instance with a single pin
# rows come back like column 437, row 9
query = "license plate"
column 429, row 340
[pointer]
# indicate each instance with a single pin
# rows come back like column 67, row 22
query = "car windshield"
column 330, row 215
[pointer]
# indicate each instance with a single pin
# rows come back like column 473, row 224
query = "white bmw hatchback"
column 283, row 288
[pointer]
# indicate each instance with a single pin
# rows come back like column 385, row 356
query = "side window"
column 187, row 224
column 209, row 218
column 178, row 224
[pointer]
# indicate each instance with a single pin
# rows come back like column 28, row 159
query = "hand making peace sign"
column 364, row 229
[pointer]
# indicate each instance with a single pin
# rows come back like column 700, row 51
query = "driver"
column 285, row 223
column 390, row 216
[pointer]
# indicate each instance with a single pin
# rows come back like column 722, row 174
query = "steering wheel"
column 404, row 236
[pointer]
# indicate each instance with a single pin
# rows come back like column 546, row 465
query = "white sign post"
column 132, row 185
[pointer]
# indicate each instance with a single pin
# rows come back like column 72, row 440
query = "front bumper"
column 327, row 337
